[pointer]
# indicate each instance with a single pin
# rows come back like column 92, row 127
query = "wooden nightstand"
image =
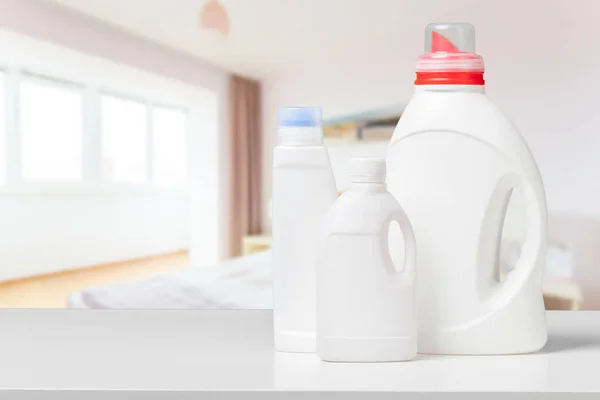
column 562, row 295
column 255, row 243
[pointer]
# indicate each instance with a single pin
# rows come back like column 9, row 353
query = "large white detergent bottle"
column 453, row 163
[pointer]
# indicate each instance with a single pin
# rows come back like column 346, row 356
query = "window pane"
column 3, row 152
column 123, row 139
column 169, row 127
column 51, row 130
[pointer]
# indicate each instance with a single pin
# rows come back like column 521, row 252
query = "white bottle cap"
column 367, row 170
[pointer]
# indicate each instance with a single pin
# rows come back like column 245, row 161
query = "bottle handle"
column 408, row 272
column 490, row 239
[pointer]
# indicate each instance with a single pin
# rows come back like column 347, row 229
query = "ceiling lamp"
column 213, row 16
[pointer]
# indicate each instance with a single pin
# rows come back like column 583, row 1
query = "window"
column 124, row 131
column 64, row 131
column 170, row 132
column 51, row 125
column 3, row 147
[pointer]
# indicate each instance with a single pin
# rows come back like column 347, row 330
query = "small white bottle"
column 303, row 192
column 366, row 304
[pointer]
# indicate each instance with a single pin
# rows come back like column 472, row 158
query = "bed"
column 241, row 283
column 245, row 282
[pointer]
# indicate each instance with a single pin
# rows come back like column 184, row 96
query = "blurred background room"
column 136, row 135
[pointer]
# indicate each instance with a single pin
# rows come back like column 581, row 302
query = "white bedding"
column 241, row 283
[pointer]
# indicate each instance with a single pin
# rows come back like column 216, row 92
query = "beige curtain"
column 246, row 160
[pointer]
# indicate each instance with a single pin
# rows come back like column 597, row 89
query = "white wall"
column 541, row 70
column 42, row 233
column 56, row 227
column 54, row 24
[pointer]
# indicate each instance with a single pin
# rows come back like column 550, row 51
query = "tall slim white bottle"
column 303, row 192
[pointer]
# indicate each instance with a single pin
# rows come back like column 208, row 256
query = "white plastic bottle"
column 365, row 303
column 453, row 162
column 303, row 191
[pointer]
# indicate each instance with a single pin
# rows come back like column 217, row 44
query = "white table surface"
column 197, row 351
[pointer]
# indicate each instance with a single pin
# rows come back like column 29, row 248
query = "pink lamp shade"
column 213, row 16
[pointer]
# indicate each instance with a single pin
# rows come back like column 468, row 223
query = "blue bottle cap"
column 299, row 117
